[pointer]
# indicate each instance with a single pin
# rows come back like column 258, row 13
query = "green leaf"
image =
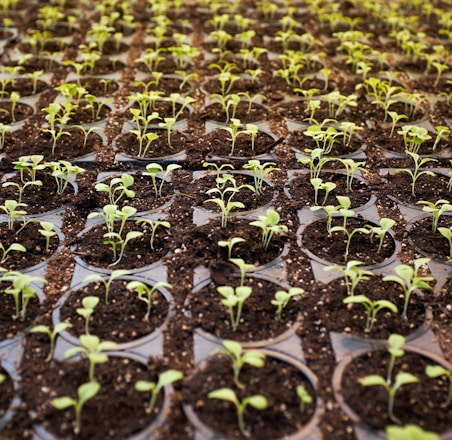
column 63, row 402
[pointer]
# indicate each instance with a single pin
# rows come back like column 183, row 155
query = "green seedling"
column 395, row 350
column 92, row 347
column 304, row 396
column 153, row 225
column 21, row 187
column 85, row 392
column 230, row 243
column 3, row 130
column 283, row 297
column 315, row 162
column 269, row 225
column 442, row 132
column 416, row 173
column 168, row 124
column 234, row 132
column 413, row 137
column 351, row 167
column 395, row 118
column 437, row 209
column 62, row 171
column 60, row 327
column 93, row 278
column 260, row 172
column 89, row 303
column 372, row 308
column 117, row 241
column 318, row 185
column 435, row 371
column 166, row 378
column 353, row 274
column 447, row 233
column 47, row 231
column 409, row 432
column 145, row 293
column 402, row 378
column 153, row 169
column 240, row 357
column 21, row 290
column 10, row 208
column 218, row 168
column 385, row 225
column 257, row 401
column 29, row 165
column 118, row 188
column 349, row 235
column 226, row 208
column 234, row 298
column 410, row 280
column 243, row 268
column 14, row 247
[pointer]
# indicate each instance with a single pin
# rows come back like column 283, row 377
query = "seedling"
column 3, row 130
column 118, row 188
column 154, row 225
column 166, row 378
column 10, row 208
column 410, row 280
column 437, row 209
column 145, row 293
column 239, row 358
column 62, row 171
column 434, row 371
column 257, row 401
column 85, row 392
column 385, row 225
column 447, row 233
column 270, row 225
column 234, row 298
column 230, row 243
column 416, row 173
column 14, row 247
column 243, row 267
column 315, row 162
column 409, row 432
column 402, row 378
column 442, row 132
column 60, row 327
column 372, row 308
column 413, row 137
column 106, row 281
column 153, row 169
column 349, row 235
column 304, row 396
column 352, row 167
column 260, row 172
column 21, row 290
column 92, row 347
column 89, row 303
column 283, row 297
column 353, row 274
column 234, row 132
column 318, row 185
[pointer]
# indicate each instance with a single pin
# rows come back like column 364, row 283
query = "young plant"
column 85, row 392
column 13, row 247
column 153, row 169
column 234, row 298
column 270, row 225
column 239, row 358
column 243, row 268
column 315, row 162
column 234, row 130
column 447, row 234
column 409, row 432
column 166, row 378
column 349, row 235
column 145, row 293
column 416, row 173
column 60, row 327
column 437, row 209
column 154, row 225
column 260, row 172
column 372, row 308
column 402, row 378
column 21, row 290
column 385, row 225
column 257, row 401
column 413, row 137
column 93, row 348
column 93, row 278
column 62, row 171
column 282, row 298
column 353, row 274
column 89, row 303
column 10, row 208
column 304, row 396
column 409, row 279
column 434, row 371
column 118, row 188
column 230, row 243
column 47, row 231
column 318, row 185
